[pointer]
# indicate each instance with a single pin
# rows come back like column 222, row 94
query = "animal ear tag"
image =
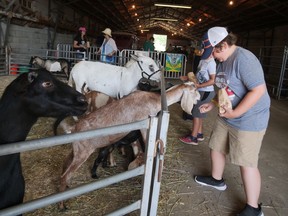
column 32, row 76
column 134, row 57
column 158, row 63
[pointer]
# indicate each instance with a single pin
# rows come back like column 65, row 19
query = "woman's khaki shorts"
column 241, row 147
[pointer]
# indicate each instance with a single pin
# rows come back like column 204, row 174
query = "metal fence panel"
column 23, row 59
column 274, row 61
column 3, row 61
column 18, row 61
column 64, row 139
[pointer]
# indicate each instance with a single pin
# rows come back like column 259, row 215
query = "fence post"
column 149, row 152
column 282, row 73
column 8, row 60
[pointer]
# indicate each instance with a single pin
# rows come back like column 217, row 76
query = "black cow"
column 29, row 96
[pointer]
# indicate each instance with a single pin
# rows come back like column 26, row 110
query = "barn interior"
column 260, row 26
column 134, row 16
column 27, row 26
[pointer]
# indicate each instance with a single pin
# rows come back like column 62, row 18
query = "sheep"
column 134, row 107
column 31, row 95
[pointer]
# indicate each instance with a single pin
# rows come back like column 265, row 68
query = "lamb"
column 135, row 107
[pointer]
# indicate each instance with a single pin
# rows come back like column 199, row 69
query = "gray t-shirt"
column 243, row 72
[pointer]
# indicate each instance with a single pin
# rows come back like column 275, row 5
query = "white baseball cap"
column 216, row 35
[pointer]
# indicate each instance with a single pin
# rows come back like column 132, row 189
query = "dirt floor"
column 179, row 195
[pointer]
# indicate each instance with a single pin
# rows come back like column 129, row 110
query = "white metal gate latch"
column 159, row 145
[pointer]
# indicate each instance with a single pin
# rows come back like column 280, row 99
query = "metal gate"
column 151, row 171
column 18, row 61
column 274, row 61
column 157, row 128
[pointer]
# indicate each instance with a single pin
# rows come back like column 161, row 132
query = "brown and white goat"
column 96, row 100
column 135, row 107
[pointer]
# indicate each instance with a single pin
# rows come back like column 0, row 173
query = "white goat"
column 113, row 80
column 135, row 107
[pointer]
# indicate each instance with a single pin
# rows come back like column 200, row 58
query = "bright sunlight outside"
column 160, row 42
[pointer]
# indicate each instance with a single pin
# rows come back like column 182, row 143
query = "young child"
column 205, row 85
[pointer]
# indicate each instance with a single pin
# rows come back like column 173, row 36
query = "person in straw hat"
column 239, row 129
column 204, row 82
column 108, row 48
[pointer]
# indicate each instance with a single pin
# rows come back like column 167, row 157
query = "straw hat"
column 107, row 31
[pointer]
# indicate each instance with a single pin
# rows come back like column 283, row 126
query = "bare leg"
column 196, row 126
column 200, row 125
column 252, row 184
column 218, row 164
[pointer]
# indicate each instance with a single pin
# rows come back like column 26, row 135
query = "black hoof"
column 104, row 164
column 94, row 176
column 62, row 208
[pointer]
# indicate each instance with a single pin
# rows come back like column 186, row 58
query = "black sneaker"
column 251, row 211
column 211, row 182
column 200, row 137
column 187, row 116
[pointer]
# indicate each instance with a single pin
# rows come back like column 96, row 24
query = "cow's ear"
column 32, row 76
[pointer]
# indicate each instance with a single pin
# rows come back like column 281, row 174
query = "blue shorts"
column 79, row 56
